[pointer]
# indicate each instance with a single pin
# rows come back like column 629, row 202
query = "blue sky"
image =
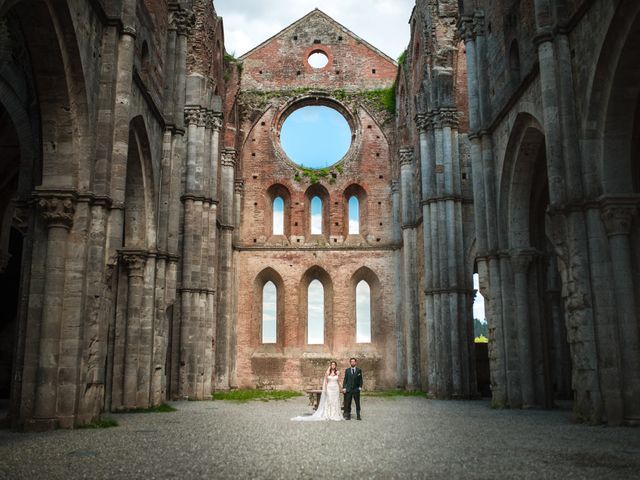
column 315, row 136
column 383, row 23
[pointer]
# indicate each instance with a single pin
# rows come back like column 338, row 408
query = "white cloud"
column 363, row 312
column 315, row 313
column 383, row 23
column 278, row 216
column 269, row 313
column 478, row 302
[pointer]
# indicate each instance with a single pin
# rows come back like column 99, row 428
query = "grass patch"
column 394, row 393
column 100, row 423
column 163, row 408
column 242, row 396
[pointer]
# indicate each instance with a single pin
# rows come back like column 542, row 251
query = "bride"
column 329, row 405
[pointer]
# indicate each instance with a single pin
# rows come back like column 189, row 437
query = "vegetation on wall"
column 314, row 175
column 381, row 102
column 231, row 62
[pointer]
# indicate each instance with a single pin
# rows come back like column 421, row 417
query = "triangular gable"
column 318, row 12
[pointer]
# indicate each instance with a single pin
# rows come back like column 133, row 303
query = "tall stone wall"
column 552, row 220
column 96, row 214
column 276, row 80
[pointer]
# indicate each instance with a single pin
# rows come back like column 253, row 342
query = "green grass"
column 101, row 423
column 243, row 396
column 394, row 393
column 163, row 408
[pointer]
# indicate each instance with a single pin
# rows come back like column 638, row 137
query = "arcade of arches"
column 157, row 242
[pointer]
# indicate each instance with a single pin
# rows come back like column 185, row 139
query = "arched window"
column 316, row 216
column 315, row 313
column 363, row 312
column 269, row 313
column 278, row 216
column 354, row 216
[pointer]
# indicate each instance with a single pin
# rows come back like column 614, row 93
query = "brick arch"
column 274, row 191
column 377, row 302
column 315, row 273
column 269, row 274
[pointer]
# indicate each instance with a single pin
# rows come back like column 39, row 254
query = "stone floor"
column 398, row 438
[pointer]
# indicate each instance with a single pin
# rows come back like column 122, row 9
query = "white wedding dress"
column 329, row 407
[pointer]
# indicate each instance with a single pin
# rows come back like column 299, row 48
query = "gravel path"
column 398, row 438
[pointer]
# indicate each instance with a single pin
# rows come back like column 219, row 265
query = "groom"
column 351, row 387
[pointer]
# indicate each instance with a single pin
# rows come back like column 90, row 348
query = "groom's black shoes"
column 359, row 417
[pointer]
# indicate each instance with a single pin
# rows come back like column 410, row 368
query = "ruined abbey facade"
column 141, row 165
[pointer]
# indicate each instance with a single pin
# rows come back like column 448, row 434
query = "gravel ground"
column 398, row 438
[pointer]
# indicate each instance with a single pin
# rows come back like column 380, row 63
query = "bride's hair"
column 332, row 368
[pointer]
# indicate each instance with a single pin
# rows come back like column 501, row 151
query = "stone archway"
column 531, row 339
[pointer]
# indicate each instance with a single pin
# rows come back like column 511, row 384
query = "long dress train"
column 329, row 404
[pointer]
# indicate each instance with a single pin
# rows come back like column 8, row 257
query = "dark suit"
column 352, row 384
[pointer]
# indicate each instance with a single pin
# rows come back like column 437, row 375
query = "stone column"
column 233, row 339
column 617, row 218
column 520, row 262
column 225, row 273
column 135, row 262
column 57, row 211
column 427, row 168
column 397, row 285
column 410, row 295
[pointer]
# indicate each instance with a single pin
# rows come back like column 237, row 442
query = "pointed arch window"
column 278, row 216
column 315, row 313
column 354, row 215
column 269, row 313
column 316, row 216
column 363, row 312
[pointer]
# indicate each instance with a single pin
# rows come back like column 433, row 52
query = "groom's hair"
column 353, row 358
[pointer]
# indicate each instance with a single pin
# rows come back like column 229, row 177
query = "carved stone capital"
column 57, row 211
column 214, row 121
column 395, row 186
column 424, row 123
column 135, row 262
column 617, row 219
column 478, row 24
column 202, row 118
column 446, row 118
column 406, row 155
column 228, row 157
column 521, row 261
column 466, row 28
column 183, row 21
column 239, row 186
column 192, row 115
